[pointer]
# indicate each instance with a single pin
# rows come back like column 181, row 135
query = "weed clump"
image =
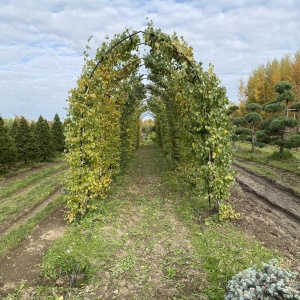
column 270, row 282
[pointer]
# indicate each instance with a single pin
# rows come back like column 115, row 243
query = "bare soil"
column 270, row 212
column 279, row 177
column 21, row 265
column 26, row 215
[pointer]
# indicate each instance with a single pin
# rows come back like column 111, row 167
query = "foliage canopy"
column 103, row 125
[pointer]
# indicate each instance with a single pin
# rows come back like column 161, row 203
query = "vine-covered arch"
column 103, row 124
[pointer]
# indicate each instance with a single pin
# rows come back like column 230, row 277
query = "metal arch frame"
column 148, row 112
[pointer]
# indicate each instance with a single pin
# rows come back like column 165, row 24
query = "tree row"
column 259, row 87
column 22, row 141
column 275, row 122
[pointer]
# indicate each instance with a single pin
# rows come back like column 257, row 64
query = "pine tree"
column 25, row 143
column 43, row 139
column 253, row 118
column 57, row 134
column 7, row 147
column 274, row 129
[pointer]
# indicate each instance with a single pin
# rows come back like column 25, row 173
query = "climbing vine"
column 103, row 125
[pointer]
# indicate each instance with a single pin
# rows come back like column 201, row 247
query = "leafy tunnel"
column 103, row 123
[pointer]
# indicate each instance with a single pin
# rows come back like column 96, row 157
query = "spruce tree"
column 7, row 147
column 13, row 129
column 57, row 134
column 25, row 143
column 43, row 139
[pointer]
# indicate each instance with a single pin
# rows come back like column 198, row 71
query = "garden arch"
column 103, row 124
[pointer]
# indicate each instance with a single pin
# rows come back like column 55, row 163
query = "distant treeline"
column 22, row 141
column 268, row 111
column 260, row 85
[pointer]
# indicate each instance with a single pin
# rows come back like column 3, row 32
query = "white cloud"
column 42, row 42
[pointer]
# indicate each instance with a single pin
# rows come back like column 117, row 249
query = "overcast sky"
column 42, row 41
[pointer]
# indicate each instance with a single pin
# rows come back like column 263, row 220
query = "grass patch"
column 17, row 185
column 288, row 161
column 282, row 156
column 223, row 249
column 12, row 239
column 21, row 167
column 26, row 201
column 82, row 245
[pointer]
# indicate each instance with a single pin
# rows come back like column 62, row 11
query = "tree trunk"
column 285, row 129
column 253, row 138
column 287, row 109
column 281, row 149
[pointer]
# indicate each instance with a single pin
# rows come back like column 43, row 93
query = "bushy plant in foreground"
column 269, row 282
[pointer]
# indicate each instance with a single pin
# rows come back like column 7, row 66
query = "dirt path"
column 276, row 176
column 270, row 212
column 156, row 260
column 280, row 197
column 21, row 264
column 10, row 225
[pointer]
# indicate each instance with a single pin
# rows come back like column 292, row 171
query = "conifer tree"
column 43, row 139
column 285, row 93
column 275, row 129
column 32, row 127
column 25, row 142
column 13, row 129
column 57, row 134
column 253, row 118
column 7, row 147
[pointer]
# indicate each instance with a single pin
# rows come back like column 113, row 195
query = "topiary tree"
column 274, row 129
column 240, row 131
column 253, row 118
column 57, row 134
column 7, row 147
column 232, row 109
column 285, row 94
column 296, row 109
column 292, row 141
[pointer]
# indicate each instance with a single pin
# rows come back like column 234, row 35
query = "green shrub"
column 65, row 263
column 270, row 282
column 284, row 155
column 260, row 144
